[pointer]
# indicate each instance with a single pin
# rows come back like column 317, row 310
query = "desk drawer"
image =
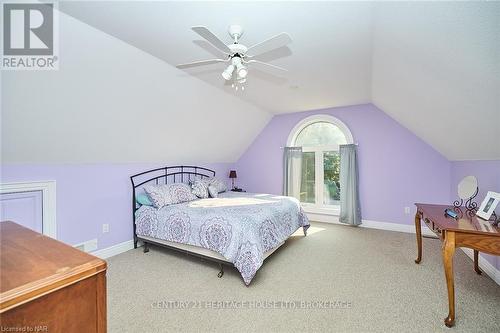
column 435, row 229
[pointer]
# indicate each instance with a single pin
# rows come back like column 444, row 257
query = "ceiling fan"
column 238, row 55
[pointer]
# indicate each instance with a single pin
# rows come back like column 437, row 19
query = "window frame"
column 320, row 207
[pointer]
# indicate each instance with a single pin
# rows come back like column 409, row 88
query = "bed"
column 236, row 229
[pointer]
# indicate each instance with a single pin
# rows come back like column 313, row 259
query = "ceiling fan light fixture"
column 227, row 74
column 241, row 71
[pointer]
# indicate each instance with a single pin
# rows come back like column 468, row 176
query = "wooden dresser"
column 48, row 286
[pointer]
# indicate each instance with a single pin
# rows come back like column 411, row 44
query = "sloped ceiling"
column 434, row 67
column 436, row 70
column 329, row 60
column 110, row 102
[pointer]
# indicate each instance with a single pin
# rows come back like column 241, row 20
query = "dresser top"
column 32, row 264
column 465, row 222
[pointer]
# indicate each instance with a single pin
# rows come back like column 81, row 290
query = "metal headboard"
column 165, row 175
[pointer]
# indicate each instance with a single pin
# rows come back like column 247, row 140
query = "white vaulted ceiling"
column 113, row 103
column 329, row 60
column 433, row 66
column 436, row 70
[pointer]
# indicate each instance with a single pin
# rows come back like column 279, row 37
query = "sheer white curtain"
column 292, row 171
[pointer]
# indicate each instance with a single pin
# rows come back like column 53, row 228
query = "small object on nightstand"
column 236, row 189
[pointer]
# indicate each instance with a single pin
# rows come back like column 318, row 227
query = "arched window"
column 320, row 137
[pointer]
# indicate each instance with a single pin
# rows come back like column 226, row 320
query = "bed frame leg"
column 221, row 272
column 135, row 242
column 146, row 247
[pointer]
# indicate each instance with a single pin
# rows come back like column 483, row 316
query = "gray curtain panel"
column 292, row 171
column 350, row 210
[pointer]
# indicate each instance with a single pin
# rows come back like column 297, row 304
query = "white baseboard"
column 485, row 265
column 373, row 224
column 114, row 250
column 407, row 228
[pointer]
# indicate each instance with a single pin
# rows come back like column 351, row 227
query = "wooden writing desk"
column 48, row 286
column 467, row 231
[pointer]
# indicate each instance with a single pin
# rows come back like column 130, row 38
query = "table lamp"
column 232, row 175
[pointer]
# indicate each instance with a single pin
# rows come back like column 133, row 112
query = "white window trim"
column 48, row 189
column 310, row 207
column 322, row 210
column 314, row 119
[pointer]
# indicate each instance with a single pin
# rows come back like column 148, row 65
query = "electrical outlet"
column 105, row 227
column 407, row 211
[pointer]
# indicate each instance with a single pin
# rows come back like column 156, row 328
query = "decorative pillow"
column 213, row 191
column 219, row 184
column 199, row 188
column 143, row 199
column 169, row 194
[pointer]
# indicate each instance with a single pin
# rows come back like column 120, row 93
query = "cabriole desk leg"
column 418, row 232
column 476, row 262
column 448, row 253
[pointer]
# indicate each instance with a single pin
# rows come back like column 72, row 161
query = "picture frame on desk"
column 488, row 205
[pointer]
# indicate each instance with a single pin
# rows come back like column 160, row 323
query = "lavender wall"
column 396, row 168
column 488, row 177
column 91, row 195
column 486, row 172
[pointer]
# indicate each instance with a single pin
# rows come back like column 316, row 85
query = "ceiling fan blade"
column 212, row 39
column 270, row 44
column 265, row 64
column 200, row 63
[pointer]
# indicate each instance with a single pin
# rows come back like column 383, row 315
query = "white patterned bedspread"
column 239, row 226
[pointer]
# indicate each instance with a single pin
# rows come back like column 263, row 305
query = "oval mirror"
column 467, row 187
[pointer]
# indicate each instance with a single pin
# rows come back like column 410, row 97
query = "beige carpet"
column 368, row 276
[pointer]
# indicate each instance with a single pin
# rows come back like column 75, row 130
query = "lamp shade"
column 232, row 174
